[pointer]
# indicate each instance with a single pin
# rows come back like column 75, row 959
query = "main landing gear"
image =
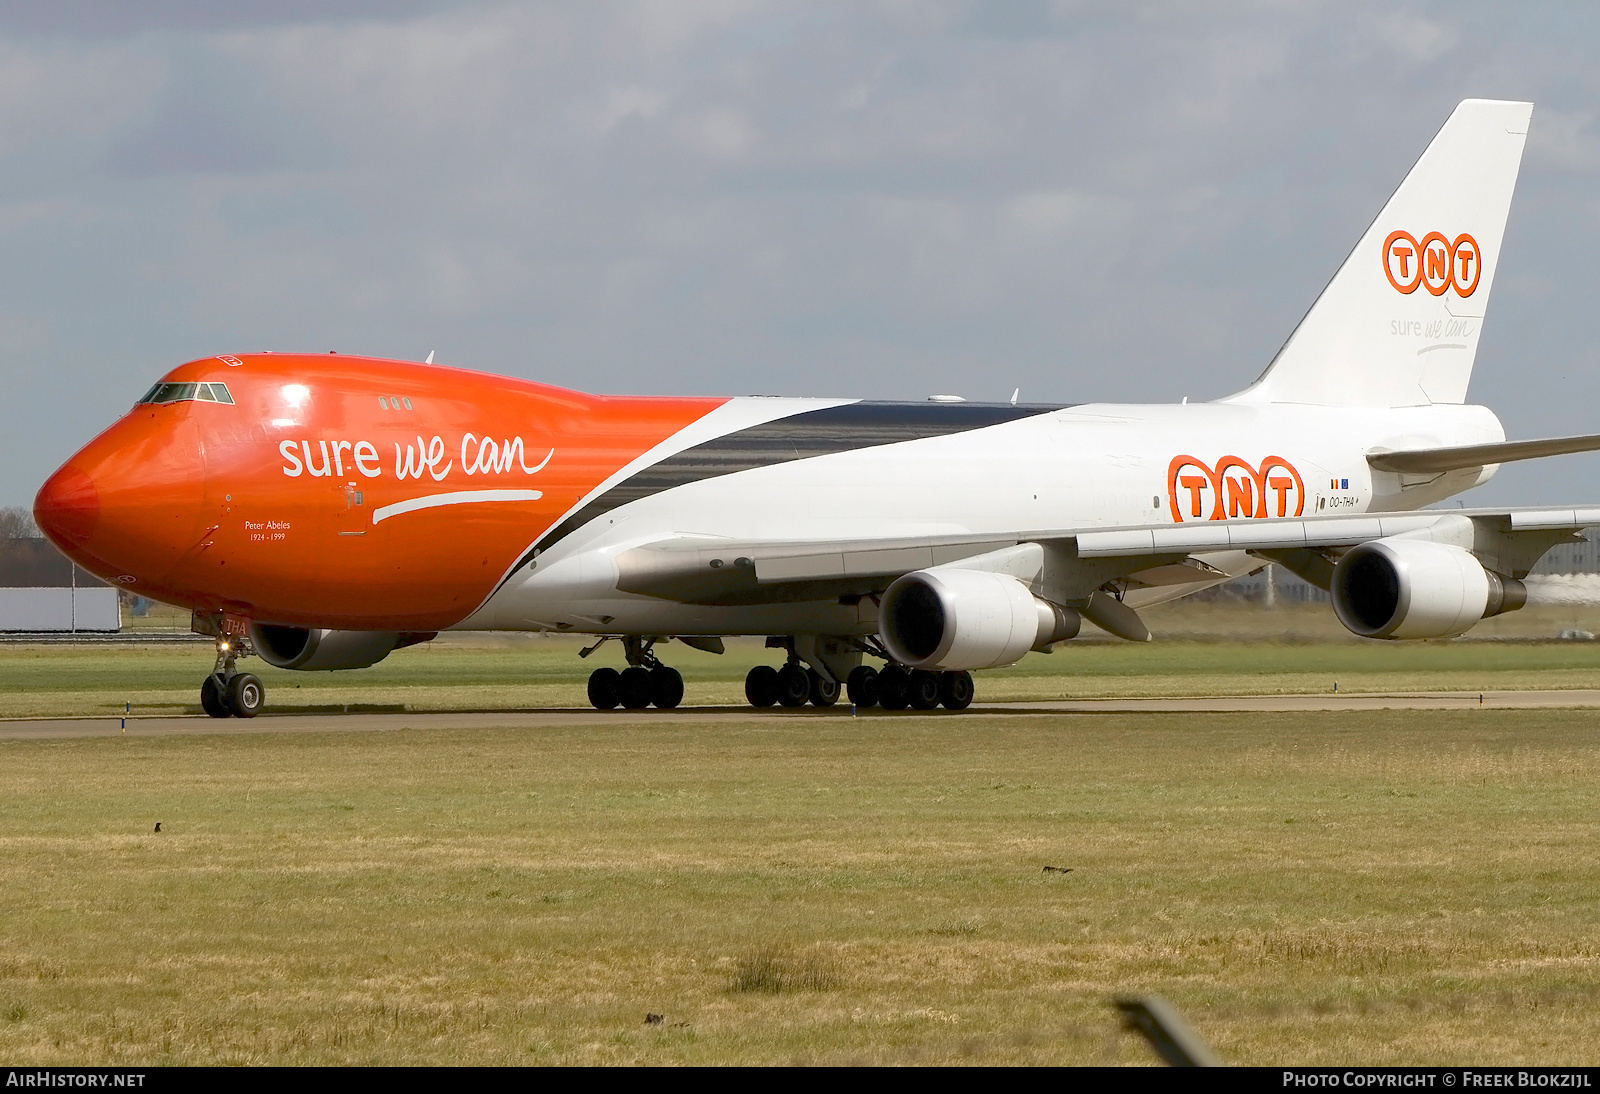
column 645, row 682
column 813, row 673
column 820, row 670
column 893, row 687
column 794, row 685
column 228, row 692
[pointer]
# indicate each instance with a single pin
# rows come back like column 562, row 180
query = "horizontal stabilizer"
column 1433, row 460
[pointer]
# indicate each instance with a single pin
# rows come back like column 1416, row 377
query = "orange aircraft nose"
column 68, row 507
column 129, row 504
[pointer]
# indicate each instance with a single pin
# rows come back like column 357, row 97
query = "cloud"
column 63, row 104
column 99, row 20
column 1416, row 38
column 723, row 132
column 1565, row 141
column 620, row 103
column 1094, row 201
column 1048, row 212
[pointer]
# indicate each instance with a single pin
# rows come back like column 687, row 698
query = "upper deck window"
column 180, row 393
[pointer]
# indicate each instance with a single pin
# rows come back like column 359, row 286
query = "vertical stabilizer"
column 1398, row 325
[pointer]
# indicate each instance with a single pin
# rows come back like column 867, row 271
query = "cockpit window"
column 179, row 393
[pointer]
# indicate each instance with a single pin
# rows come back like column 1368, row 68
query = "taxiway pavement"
column 390, row 720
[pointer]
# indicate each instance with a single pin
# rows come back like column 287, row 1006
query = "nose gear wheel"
column 228, row 692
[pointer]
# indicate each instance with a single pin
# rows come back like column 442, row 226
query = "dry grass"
column 776, row 969
column 1395, row 887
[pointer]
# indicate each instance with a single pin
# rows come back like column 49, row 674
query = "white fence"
column 95, row 609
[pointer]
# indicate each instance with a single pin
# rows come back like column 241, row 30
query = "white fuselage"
column 1086, row 467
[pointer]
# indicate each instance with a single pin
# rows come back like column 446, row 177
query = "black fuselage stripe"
column 800, row 436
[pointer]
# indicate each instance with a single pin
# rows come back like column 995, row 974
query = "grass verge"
column 479, row 673
column 1385, row 887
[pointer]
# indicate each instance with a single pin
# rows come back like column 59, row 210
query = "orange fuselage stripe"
column 342, row 491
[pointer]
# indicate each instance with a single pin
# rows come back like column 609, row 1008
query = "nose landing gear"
column 228, row 692
column 246, row 695
column 214, row 697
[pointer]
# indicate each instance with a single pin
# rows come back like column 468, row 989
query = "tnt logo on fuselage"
column 1233, row 488
column 1433, row 262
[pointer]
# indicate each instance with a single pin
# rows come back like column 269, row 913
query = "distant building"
column 1582, row 557
column 42, row 591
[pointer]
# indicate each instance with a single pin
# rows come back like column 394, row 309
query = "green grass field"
column 1328, row 888
column 489, row 673
column 1385, row 887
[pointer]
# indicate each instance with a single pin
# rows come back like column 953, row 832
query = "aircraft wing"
column 1327, row 531
column 1434, row 460
column 705, row 570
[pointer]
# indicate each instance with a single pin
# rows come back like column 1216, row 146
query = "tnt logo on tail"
column 1433, row 262
column 1233, row 488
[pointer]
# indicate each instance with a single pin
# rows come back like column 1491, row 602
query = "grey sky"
column 1089, row 201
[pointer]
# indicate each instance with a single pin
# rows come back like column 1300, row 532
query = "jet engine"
column 313, row 649
column 1406, row 588
column 946, row 618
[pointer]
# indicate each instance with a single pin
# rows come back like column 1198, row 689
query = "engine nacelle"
column 1408, row 588
column 313, row 649
column 946, row 618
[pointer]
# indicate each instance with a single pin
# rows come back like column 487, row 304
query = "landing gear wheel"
column 761, row 686
column 894, row 688
column 214, row 697
column 794, row 685
column 923, row 690
column 633, row 687
column 862, row 686
column 824, row 693
column 246, row 696
column 605, row 688
column 956, row 690
column 666, row 687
